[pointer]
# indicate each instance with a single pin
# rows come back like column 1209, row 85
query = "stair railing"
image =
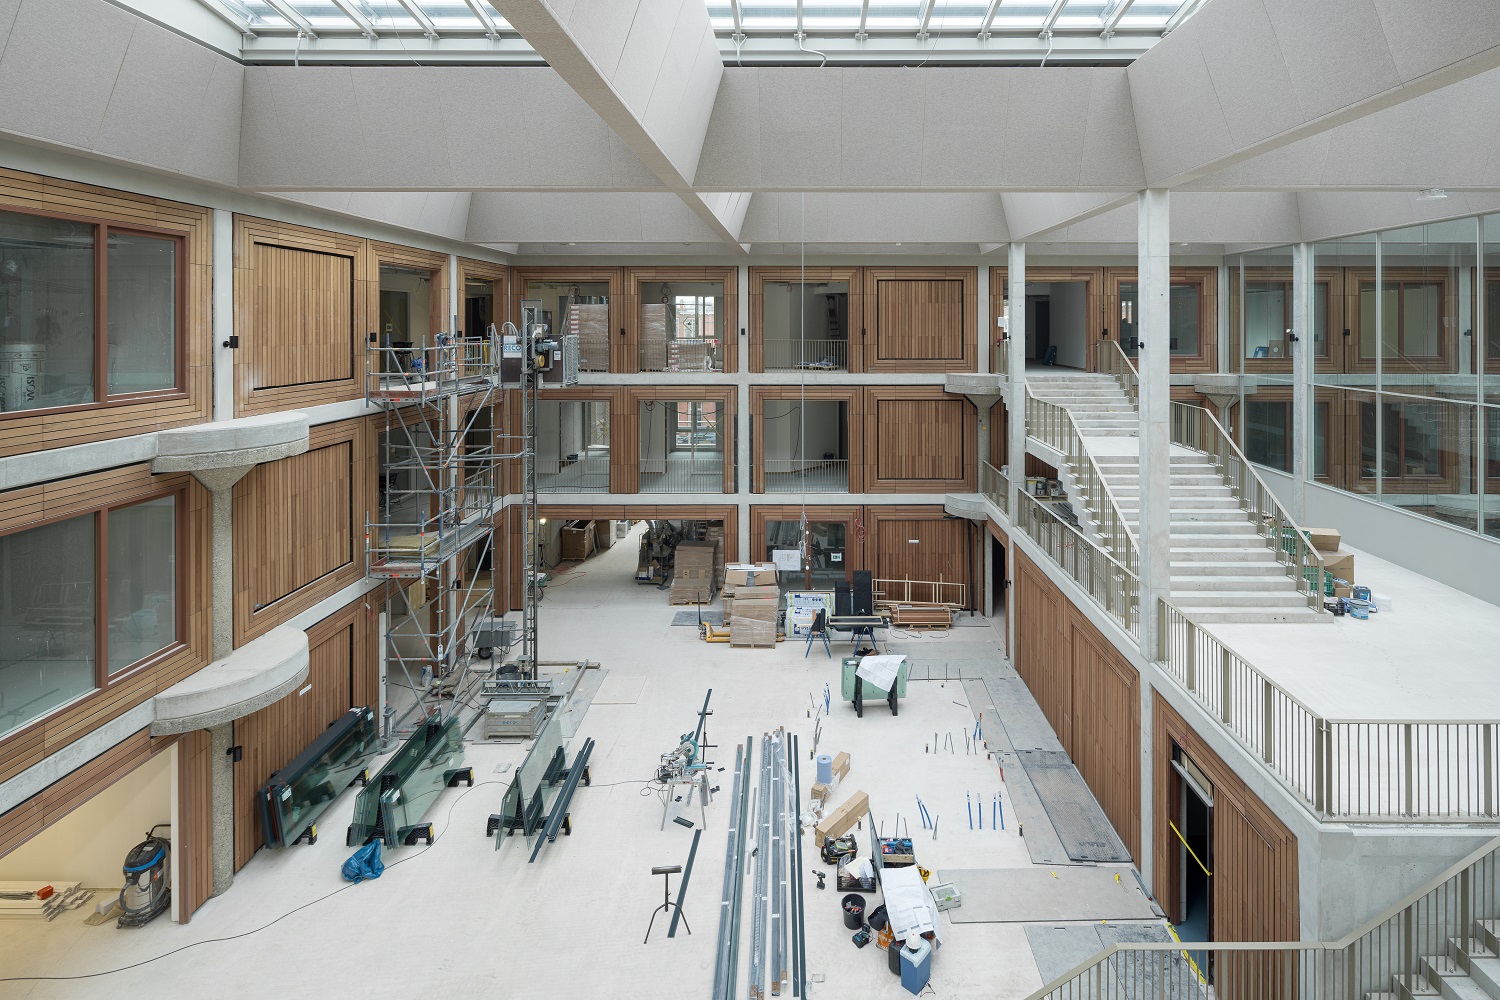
column 1055, row 426
column 995, row 485
column 1386, row 951
column 1109, row 359
column 1196, row 428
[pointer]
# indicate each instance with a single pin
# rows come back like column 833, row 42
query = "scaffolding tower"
column 435, row 522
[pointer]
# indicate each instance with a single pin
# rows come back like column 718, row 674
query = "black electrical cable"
column 254, row 930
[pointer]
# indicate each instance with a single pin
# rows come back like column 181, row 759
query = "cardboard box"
column 842, row 819
column 1340, row 564
column 840, row 766
column 820, row 793
column 761, row 608
column 1324, row 539
column 750, row 574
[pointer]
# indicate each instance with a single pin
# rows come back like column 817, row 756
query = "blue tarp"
column 364, row 863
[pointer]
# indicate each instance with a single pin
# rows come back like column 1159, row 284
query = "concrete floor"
column 462, row 919
column 1427, row 657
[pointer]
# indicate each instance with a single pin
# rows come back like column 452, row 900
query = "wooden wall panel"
column 29, row 431
column 273, row 736
column 194, row 842
column 999, row 435
column 760, row 275
column 918, row 439
column 945, row 550
column 1254, row 855
column 299, row 527
column 80, row 495
column 303, row 301
column 920, row 319
column 1088, row 691
column 727, row 276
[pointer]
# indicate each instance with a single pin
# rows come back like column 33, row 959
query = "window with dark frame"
column 71, row 627
column 1268, row 319
column 1412, row 440
column 91, row 313
column 1412, row 316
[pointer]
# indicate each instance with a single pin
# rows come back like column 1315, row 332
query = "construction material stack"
column 693, row 572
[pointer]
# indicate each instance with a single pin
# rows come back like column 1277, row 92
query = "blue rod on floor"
column 969, row 804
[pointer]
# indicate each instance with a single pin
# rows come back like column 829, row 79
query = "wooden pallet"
column 921, row 616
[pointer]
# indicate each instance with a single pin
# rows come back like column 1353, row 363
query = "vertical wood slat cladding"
column 194, row 842
column 942, row 551
column 1254, row 855
column 339, row 654
column 21, row 433
column 82, row 495
column 920, row 319
column 299, row 526
column 631, row 313
column 760, row 275
column 301, row 336
column 304, row 304
column 917, row 439
column 1089, row 693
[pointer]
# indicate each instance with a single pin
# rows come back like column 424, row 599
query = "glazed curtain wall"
column 1405, row 382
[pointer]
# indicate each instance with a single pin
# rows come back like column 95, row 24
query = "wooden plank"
column 920, row 319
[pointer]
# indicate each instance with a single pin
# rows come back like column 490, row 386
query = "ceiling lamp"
column 1431, row 194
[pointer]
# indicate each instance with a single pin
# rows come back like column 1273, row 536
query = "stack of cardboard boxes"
column 693, row 572
column 1338, row 562
column 752, row 601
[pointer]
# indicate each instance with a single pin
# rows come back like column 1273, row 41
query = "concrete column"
column 221, row 738
column 223, row 313
column 1015, row 405
column 741, row 323
column 1154, row 360
column 1302, row 371
column 983, row 328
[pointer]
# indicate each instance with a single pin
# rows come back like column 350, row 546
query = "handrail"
column 1196, row 428
column 1110, row 359
column 1372, row 959
column 1107, row 581
column 1365, row 770
column 1056, row 426
column 995, row 485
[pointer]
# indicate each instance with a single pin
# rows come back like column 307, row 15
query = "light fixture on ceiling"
column 897, row 244
column 570, row 244
column 1431, row 194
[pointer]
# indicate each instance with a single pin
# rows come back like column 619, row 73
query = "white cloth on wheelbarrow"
column 880, row 671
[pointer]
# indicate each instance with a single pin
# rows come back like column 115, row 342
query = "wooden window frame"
column 622, row 359
column 1206, row 280
column 1355, row 280
column 629, row 427
column 1334, row 321
column 102, row 230
column 104, row 680
column 852, row 518
column 854, row 276
column 727, row 276
column 1445, row 460
column 1092, row 278
column 852, row 396
column 498, row 275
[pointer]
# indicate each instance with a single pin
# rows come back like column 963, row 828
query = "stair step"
column 1486, row 972
column 1188, row 541
column 1253, row 616
column 1240, row 568
column 1451, row 981
column 1239, row 598
column 1488, row 931
column 1235, row 584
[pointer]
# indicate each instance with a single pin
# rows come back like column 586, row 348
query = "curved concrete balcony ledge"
column 978, row 387
column 257, row 674
column 969, row 506
column 228, row 444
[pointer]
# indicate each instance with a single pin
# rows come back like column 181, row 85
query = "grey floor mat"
column 713, row 616
column 1085, row 832
column 1041, row 894
column 1058, row 949
column 1025, row 725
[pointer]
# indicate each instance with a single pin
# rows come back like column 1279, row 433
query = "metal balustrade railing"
column 668, row 354
column 995, row 485
column 588, row 474
column 683, row 472
column 1194, row 427
column 1105, row 579
column 1374, row 960
column 1399, row 771
column 1054, row 425
column 1109, row 359
column 1000, row 358
column 797, row 475
column 790, row 355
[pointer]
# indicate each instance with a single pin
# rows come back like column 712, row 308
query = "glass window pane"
column 1320, row 440
column 1130, row 338
column 142, row 302
column 805, row 327
column 682, row 326
column 1266, row 433
column 1421, row 439
column 46, row 619
column 1391, row 443
column 1421, row 318
column 1265, row 319
column 1184, row 319
column 46, row 312
column 142, row 572
column 1367, row 440
column 1320, row 319
column 578, row 308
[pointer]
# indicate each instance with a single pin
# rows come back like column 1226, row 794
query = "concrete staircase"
column 1470, row 970
column 1221, row 568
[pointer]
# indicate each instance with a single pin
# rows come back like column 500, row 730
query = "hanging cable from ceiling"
column 802, row 405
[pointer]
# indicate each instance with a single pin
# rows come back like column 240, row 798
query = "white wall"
column 1070, row 323
column 419, row 291
column 90, row 843
column 786, row 437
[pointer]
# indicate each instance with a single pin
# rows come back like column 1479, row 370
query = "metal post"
column 1268, row 721
column 1409, row 791
column 1320, row 766
column 1487, row 769
column 1226, row 685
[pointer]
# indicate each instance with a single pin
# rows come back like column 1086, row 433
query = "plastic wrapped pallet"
column 590, row 321
column 653, row 357
column 752, row 632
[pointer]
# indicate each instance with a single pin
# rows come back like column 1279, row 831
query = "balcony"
column 791, row 355
column 587, row 472
column 660, row 353
column 797, row 475
column 683, row 472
